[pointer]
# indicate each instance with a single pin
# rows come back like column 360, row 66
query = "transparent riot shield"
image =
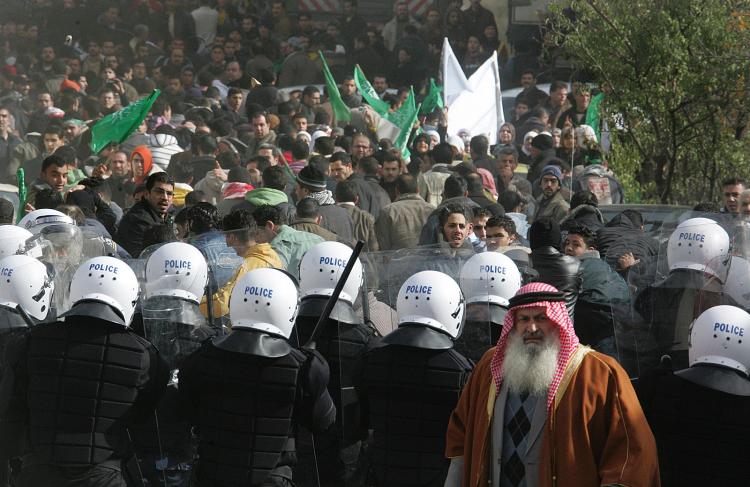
column 488, row 281
column 385, row 273
column 177, row 328
column 223, row 265
column 737, row 284
column 61, row 248
column 690, row 277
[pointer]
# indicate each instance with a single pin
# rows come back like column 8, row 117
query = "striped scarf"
column 558, row 314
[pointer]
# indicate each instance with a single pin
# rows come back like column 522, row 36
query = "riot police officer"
column 418, row 374
column 698, row 258
column 342, row 341
column 488, row 281
column 25, row 284
column 81, row 382
column 247, row 392
column 699, row 415
column 176, row 274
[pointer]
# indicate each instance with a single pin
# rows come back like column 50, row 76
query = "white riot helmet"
column 24, row 281
column 38, row 219
column 737, row 285
column 106, row 280
column 490, row 277
column 13, row 239
column 721, row 336
column 433, row 299
column 321, row 267
column 176, row 269
column 266, row 300
column 699, row 244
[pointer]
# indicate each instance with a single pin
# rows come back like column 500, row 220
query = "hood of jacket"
column 584, row 213
column 266, row 196
column 622, row 220
column 162, row 140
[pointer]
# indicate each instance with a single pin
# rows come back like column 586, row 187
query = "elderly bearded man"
column 542, row 410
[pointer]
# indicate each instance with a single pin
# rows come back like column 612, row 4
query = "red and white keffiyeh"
column 558, row 314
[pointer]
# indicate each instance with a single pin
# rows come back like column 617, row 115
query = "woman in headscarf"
column 141, row 163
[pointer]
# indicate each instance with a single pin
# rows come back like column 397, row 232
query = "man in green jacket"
column 289, row 244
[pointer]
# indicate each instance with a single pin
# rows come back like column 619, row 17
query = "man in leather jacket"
column 553, row 266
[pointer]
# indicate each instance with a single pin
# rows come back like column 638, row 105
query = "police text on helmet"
column 333, row 261
column 177, row 264
column 259, row 291
column 729, row 328
column 492, row 269
column 103, row 267
column 415, row 288
column 693, row 237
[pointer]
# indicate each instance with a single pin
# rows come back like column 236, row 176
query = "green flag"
column 434, row 98
column 22, row 194
column 116, row 127
column 340, row 110
column 593, row 115
column 368, row 92
column 404, row 119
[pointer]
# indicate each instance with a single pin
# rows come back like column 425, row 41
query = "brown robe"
column 598, row 434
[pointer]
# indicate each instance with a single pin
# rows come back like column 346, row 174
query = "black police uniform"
column 164, row 444
column 342, row 342
column 245, row 393
column 12, row 324
column 79, row 385
column 701, row 421
column 408, row 388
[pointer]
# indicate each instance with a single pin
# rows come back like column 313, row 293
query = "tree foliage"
column 676, row 75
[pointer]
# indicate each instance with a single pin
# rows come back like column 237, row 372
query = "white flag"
column 478, row 109
column 454, row 79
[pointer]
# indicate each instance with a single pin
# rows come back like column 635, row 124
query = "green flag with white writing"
column 340, row 110
column 404, row 118
column 433, row 100
column 368, row 92
column 117, row 126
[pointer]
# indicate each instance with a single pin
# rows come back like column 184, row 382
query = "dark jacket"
column 371, row 196
column 121, row 187
column 586, row 215
column 200, row 165
column 604, row 300
column 559, row 270
column 134, row 225
column 621, row 235
column 338, row 221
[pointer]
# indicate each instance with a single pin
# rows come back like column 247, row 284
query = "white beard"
column 530, row 367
